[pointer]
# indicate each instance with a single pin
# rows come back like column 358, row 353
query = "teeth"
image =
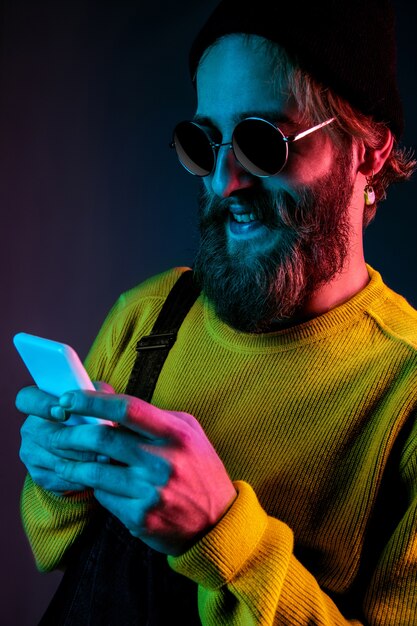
column 244, row 217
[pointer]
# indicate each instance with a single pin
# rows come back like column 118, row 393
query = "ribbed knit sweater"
column 315, row 425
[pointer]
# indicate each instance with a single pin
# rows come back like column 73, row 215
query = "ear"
column 374, row 159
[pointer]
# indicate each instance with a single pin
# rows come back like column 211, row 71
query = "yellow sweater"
column 318, row 422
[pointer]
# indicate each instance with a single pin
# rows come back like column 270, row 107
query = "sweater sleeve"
column 247, row 574
column 391, row 598
column 60, row 520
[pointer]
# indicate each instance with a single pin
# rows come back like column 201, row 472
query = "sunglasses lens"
column 193, row 148
column 259, row 147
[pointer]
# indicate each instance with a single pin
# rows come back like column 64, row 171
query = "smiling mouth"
column 243, row 218
column 245, row 225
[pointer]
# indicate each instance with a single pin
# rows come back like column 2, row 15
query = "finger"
column 40, row 437
column 39, row 430
column 34, row 455
column 48, row 479
column 120, row 445
column 104, row 387
column 120, row 481
column 51, row 482
column 133, row 413
column 40, row 434
column 33, row 401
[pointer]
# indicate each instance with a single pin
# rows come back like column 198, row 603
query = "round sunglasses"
column 259, row 146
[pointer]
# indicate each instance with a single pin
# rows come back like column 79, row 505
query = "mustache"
column 276, row 209
column 305, row 215
column 271, row 209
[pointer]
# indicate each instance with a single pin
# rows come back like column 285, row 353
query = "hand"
column 38, row 451
column 168, row 487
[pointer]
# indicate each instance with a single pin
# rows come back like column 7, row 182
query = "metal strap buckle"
column 155, row 342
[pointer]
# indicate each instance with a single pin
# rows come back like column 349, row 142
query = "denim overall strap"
column 153, row 349
column 112, row 578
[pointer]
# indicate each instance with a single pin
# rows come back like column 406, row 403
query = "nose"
column 229, row 176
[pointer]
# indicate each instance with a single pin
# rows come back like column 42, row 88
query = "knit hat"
column 347, row 45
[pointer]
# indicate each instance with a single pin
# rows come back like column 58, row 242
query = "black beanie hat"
column 347, row 45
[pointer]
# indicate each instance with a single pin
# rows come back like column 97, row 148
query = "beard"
column 256, row 290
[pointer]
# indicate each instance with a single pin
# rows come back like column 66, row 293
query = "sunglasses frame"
column 287, row 139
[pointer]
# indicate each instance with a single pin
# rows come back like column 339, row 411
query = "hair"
column 319, row 103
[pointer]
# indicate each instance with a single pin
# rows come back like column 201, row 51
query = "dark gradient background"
column 92, row 200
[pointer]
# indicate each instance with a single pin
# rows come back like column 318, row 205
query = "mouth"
column 243, row 218
column 244, row 224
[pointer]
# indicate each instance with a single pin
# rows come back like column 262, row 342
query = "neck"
column 354, row 276
column 340, row 289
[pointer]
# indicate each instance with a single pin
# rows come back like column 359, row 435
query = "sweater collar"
column 328, row 323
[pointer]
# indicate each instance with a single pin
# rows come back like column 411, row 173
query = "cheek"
column 309, row 161
column 285, row 182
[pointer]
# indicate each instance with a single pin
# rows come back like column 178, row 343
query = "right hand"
column 38, row 451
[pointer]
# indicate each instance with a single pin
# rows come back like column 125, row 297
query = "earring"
column 368, row 191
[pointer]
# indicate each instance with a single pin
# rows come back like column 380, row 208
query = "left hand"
column 168, row 485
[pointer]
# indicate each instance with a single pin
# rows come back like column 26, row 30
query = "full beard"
column 259, row 291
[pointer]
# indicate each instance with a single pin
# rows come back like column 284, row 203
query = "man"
column 276, row 466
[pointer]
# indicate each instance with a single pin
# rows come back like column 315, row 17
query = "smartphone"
column 56, row 368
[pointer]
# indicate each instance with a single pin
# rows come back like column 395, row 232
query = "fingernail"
column 66, row 400
column 58, row 413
